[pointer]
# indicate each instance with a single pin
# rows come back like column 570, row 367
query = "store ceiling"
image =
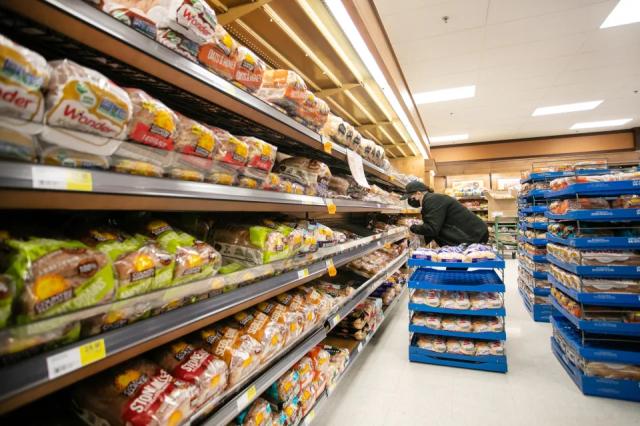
column 521, row 55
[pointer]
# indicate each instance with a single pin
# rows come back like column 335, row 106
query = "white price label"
column 74, row 358
column 303, row 273
column 64, row 179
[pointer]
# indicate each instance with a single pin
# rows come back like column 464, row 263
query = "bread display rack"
column 473, row 277
column 596, row 301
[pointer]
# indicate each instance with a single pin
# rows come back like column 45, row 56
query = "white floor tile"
column 384, row 388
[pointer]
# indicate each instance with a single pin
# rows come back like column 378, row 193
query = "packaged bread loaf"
column 194, row 138
column 189, row 167
column 206, row 373
column 283, row 88
column 82, row 99
column 24, row 74
column 137, row 392
column 432, row 343
column 231, row 150
column 178, row 43
column 250, row 244
column 194, row 19
column 270, row 334
column 291, row 322
column 132, row 13
column 461, row 346
column 249, row 69
column 152, row 123
column 57, row 276
column 285, row 387
column 335, row 128
column 312, row 110
column 259, row 413
column 311, row 173
column 220, row 53
column 18, row 146
column 296, row 302
column 241, row 352
column 261, row 155
column 59, row 156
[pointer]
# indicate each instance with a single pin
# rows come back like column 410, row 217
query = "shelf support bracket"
column 238, row 12
column 373, row 126
column 334, row 91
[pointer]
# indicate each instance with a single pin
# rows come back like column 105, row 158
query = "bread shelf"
column 593, row 242
column 497, row 263
column 501, row 335
column 35, row 186
column 603, row 271
column 434, row 279
column 538, row 312
column 596, row 189
column 32, row 378
column 144, row 62
column 600, row 299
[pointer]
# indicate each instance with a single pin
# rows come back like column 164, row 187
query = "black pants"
column 485, row 238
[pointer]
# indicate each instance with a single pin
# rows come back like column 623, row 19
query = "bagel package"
column 82, row 99
column 206, row 373
column 23, row 74
column 137, row 392
column 152, row 123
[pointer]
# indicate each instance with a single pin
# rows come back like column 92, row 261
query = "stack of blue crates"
column 467, row 277
column 596, row 327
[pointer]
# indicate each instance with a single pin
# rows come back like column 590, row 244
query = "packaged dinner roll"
column 23, row 75
column 82, row 99
column 249, row 69
column 206, row 373
column 152, row 123
column 194, row 19
column 241, row 352
column 220, row 53
column 261, row 327
column 137, row 392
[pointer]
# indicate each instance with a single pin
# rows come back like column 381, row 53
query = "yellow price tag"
column 331, row 207
column 331, row 268
column 328, row 146
column 336, row 319
column 92, row 352
column 79, row 181
column 251, row 393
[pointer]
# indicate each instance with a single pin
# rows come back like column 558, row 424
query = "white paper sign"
column 357, row 170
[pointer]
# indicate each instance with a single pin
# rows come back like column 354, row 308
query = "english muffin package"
column 152, row 122
column 82, row 99
column 23, row 75
column 137, row 392
column 270, row 334
column 196, row 366
column 241, row 352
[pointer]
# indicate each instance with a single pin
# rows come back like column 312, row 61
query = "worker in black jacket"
column 444, row 219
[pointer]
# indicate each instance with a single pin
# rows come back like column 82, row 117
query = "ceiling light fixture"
column 343, row 19
column 604, row 123
column 449, row 138
column 444, row 95
column 625, row 12
column 562, row 109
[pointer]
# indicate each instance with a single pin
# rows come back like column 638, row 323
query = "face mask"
column 413, row 202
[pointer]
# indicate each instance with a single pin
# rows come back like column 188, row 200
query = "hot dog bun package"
column 207, row 374
column 24, row 74
column 241, row 352
column 137, row 392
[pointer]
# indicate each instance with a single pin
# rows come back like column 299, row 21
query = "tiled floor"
column 384, row 388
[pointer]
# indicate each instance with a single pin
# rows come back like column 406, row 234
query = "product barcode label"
column 72, row 359
column 70, row 180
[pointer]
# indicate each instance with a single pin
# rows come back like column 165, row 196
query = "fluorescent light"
column 625, row 12
column 445, row 95
column 605, row 123
column 449, row 138
column 561, row 109
column 343, row 19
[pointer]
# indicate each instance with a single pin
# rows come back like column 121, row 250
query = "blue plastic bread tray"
column 598, row 327
column 495, row 363
column 538, row 312
column 597, row 242
column 497, row 263
column 597, row 189
column 594, row 351
column 542, row 176
column 538, row 258
column 535, row 193
column 597, row 271
column 534, row 209
column 460, row 334
column 608, row 215
column 536, row 274
column 628, row 390
column 536, row 225
column 438, row 279
column 500, row 312
column 535, row 241
column 600, row 299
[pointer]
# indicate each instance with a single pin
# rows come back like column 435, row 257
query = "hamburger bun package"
column 138, row 392
column 23, row 75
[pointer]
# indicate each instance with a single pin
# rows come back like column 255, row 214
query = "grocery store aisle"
column 384, row 388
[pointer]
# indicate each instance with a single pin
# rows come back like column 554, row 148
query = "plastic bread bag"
column 339, row 291
column 294, row 237
column 283, row 88
column 285, row 387
column 461, row 346
column 336, row 129
column 248, row 70
column 611, row 370
column 305, row 371
column 118, row 315
column 270, row 334
column 262, row 155
column 141, row 160
column 53, row 277
column 220, row 53
column 59, row 156
column 322, row 304
column 455, row 300
column 312, row 110
column 308, row 398
column 222, row 174
column 274, row 182
column 206, row 373
column 251, row 178
column 489, row 324
column 626, row 202
column 190, row 167
column 241, row 352
column 132, row 13
column 455, row 323
column 291, row 322
column 489, row 300
column 152, row 122
column 194, row 19
column 259, row 413
column 311, row 173
column 289, row 414
column 139, row 264
column 18, row 146
column 194, row 138
column 82, row 99
column 432, row 343
column 366, row 148
column 7, row 294
column 255, row 245
column 296, row 302
column 231, row 150
column 418, row 297
column 321, row 359
column 137, row 392
column 194, row 259
column 24, row 74
column 489, row 348
column 178, row 43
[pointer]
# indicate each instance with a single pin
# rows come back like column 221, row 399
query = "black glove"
column 416, row 229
